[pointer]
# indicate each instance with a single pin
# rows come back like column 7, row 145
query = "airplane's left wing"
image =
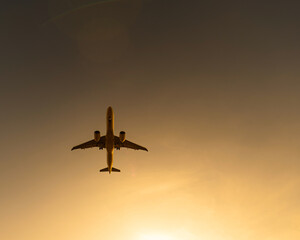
column 92, row 143
column 128, row 144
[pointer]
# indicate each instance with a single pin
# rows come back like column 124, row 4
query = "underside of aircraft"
column 109, row 142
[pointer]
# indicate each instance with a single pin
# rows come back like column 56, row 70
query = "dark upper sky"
column 210, row 87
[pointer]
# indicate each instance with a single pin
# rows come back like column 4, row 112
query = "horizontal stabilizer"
column 104, row 170
column 113, row 170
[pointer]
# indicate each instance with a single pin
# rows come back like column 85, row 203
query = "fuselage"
column 109, row 140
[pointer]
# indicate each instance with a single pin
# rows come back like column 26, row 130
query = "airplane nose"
column 109, row 110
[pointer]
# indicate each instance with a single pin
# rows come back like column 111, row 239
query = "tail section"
column 107, row 170
column 104, row 170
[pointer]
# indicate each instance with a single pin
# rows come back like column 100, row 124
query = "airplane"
column 110, row 142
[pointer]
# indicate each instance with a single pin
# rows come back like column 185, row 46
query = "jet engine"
column 97, row 136
column 122, row 136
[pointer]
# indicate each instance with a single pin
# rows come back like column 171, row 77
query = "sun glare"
column 155, row 237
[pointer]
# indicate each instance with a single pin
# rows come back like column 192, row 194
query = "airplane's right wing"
column 134, row 146
column 128, row 144
column 90, row 144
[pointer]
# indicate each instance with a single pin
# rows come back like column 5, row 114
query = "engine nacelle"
column 122, row 136
column 97, row 136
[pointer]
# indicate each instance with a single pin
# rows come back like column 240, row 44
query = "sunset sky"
column 211, row 88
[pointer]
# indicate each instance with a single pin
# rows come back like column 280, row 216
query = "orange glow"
column 155, row 237
column 211, row 88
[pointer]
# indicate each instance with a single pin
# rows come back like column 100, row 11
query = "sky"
column 211, row 88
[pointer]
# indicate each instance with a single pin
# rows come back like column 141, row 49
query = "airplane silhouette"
column 110, row 142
